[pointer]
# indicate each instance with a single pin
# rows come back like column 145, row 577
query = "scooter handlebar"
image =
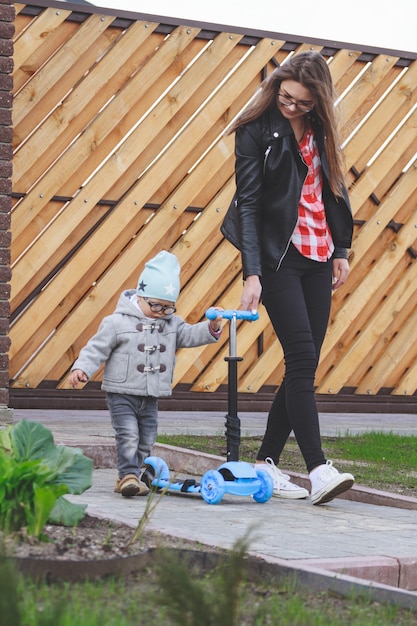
column 250, row 316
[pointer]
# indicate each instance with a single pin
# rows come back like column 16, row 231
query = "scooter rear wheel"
column 212, row 487
column 155, row 470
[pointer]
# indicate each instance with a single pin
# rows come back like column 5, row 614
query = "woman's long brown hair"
column 311, row 70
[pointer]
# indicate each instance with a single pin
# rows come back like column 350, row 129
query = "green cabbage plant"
column 34, row 476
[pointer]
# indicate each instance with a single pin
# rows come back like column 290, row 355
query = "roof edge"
column 83, row 6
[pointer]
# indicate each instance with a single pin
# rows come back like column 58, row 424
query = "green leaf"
column 34, row 474
column 43, row 503
column 67, row 513
column 5, row 442
column 77, row 472
column 31, row 440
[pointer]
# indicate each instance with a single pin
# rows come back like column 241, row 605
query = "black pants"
column 297, row 298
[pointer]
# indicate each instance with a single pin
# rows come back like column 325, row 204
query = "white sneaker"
column 283, row 488
column 327, row 483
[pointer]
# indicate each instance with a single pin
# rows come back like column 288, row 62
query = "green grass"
column 184, row 596
column 381, row 447
column 379, row 460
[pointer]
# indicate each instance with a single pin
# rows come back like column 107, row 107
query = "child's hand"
column 216, row 324
column 77, row 376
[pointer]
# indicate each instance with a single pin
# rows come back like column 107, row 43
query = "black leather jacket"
column 270, row 174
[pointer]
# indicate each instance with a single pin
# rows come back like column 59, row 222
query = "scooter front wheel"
column 212, row 487
column 266, row 489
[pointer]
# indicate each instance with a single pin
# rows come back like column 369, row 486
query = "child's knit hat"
column 161, row 278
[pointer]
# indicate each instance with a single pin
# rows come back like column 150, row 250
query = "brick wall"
column 7, row 16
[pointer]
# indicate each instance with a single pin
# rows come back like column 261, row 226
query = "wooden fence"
column 120, row 151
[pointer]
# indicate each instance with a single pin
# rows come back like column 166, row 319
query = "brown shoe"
column 130, row 485
column 143, row 489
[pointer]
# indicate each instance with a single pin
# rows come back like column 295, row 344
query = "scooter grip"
column 250, row 316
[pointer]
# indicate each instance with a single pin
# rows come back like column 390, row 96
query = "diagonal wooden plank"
column 230, row 60
column 372, row 281
column 404, row 191
column 146, row 247
column 19, row 6
column 52, row 81
column 359, row 98
column 34, row 207
column 42, row 54
column 269, row 364
column 159, row 224
column 99, row 242
column 112, row 117
column 406, row 384
column 47, row 304
column 341, row 65
column 36, row 34
column 188, row 367
column 371, row 343
column 387, row 167
column 398, row 355
column 395, row 106
column 80, row 107
column 85, row 201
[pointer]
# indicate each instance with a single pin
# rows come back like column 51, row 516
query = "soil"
column 92, row 539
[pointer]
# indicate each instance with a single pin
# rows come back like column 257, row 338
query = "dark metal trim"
column 152, row 206
column 92, row 399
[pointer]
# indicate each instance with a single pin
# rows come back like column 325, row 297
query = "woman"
column 291, row 220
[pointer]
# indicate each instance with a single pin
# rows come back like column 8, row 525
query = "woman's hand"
column 340, row 272
column 251, row 293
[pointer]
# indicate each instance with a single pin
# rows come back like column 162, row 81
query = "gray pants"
column 135, row 421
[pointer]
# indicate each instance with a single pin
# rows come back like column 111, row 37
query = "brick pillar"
column 7, row 16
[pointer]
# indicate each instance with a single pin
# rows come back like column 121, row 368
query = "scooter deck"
column 233, row 477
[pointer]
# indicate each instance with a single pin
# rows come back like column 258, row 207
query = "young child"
column 138, row 343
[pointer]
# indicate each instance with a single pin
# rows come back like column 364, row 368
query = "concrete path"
column 96, row 424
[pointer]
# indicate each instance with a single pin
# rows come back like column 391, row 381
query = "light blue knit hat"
column 161, row 278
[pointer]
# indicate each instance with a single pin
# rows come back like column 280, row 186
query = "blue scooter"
column 234, row 477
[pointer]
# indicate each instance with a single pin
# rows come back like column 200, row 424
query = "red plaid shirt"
column 312, row 236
